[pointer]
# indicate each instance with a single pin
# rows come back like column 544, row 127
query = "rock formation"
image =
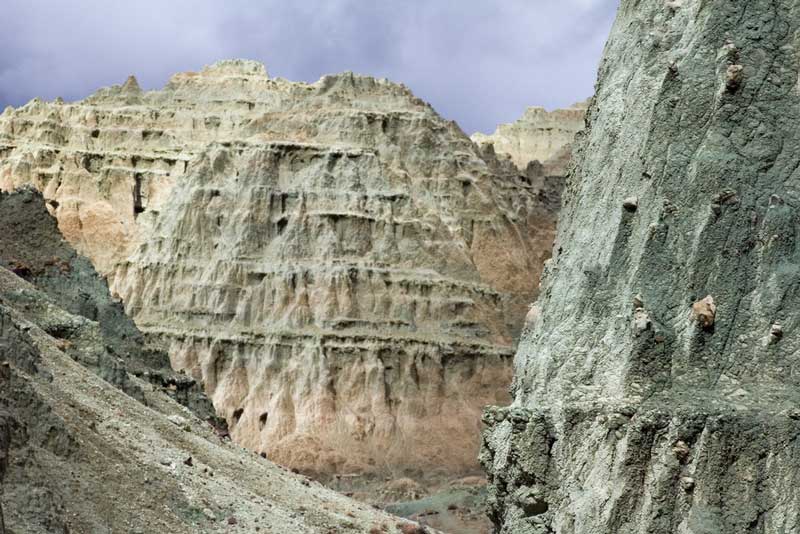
column 539, row 135
column 658, row 389
column 32, row 247
column 77, row 454
column 345, row 271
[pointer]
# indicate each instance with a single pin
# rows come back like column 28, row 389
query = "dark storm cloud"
column 478, row 62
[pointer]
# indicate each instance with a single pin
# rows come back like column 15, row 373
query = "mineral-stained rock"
column 539, row 135
column 704, row 311
column 609, row 424
column 344, row 270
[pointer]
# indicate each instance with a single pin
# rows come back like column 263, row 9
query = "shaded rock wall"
column 343, row 269
column 5, row 437
column 641, row 404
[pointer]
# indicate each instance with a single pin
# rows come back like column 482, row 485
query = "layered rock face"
column 539, row 135
column 344, row 270
column 106, row 164
column 89, row 445
column 658, row 391
column 32, row 247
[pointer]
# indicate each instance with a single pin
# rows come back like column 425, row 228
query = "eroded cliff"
column 88, row 443
column 539, row 135
column 345, row 271
column 32, row 247
column 657, row 390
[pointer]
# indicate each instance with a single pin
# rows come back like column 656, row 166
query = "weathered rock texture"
column 32, row 247
column 631, row 413
column 344, row 270
column 539, row 135
column 113, row 453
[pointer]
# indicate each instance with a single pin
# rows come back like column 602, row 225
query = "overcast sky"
column 479, row 62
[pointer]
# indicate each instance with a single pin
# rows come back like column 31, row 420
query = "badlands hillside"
column 539, row 136
column 343, row 271
column 92, row 438
column 345, row 276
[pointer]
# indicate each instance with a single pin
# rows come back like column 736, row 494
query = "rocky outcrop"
column 657, row 389
column 82, row 450
column 539, row 135
column 343, row 269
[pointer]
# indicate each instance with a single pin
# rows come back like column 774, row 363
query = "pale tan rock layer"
column 539, row 135
column 346, row 271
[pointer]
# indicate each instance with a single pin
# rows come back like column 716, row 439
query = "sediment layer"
column 340, row 267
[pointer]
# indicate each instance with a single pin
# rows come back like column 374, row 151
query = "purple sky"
column 478, row 62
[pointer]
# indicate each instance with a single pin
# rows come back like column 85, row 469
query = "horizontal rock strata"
column 539, row 135
column 77, row 454
column 342, row 269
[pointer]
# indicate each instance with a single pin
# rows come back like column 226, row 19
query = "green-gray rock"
column 657, row 391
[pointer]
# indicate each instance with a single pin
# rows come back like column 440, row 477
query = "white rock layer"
column 539, row 135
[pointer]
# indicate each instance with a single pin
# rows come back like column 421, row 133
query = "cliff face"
column 32, row 247
column 106, row 164
column 539, row 135
column 657, row 391
column 90, row 444
column 343, row 269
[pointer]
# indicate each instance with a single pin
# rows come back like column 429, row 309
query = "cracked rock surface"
column 653, row 392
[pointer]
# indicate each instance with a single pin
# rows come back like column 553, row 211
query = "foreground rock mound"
column 346, row 272
column 86, row 453
column 657, row 391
